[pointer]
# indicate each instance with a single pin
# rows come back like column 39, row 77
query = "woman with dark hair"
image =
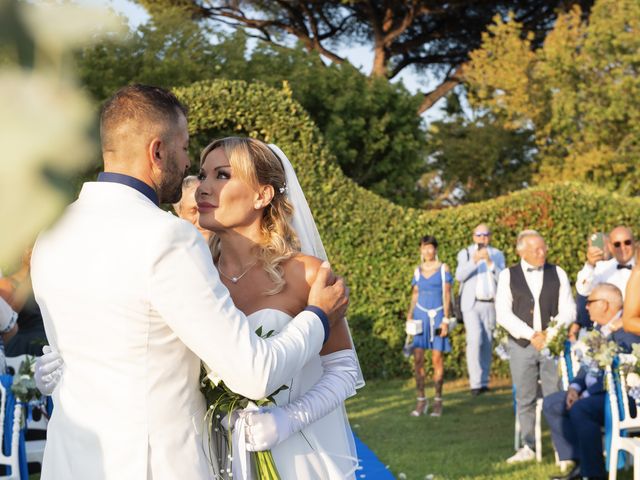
column 430, row 304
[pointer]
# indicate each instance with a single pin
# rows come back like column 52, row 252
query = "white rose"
column 633, row 380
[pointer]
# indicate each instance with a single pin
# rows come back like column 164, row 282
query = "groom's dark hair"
column 144, row 104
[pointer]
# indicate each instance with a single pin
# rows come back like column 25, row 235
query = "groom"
column 131, row 299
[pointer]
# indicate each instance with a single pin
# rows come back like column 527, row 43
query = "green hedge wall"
column 374, row 243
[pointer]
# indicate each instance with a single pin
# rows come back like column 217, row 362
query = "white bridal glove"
column 270, row 426
column 48, row 370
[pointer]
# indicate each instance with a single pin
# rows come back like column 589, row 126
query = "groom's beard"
column 170, row 188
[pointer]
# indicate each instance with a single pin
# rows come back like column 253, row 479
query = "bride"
column 267, row 250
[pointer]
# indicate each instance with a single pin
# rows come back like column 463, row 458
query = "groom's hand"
column 329, row 293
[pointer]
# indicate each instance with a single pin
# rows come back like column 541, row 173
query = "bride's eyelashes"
column 222, row 174
column 201, row 176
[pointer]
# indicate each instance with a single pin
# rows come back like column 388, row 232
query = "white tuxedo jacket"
column 131, row 299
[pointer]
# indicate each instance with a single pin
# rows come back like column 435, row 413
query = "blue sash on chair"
column 7, row 381
column 568, row 361
column 615, row 374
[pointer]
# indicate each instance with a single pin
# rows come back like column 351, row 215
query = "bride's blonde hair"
column 256, row 164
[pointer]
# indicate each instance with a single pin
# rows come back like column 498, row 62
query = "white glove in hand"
column 48, row 370
column 268, row 427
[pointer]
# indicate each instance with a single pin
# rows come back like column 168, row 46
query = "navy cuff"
column 323, row 318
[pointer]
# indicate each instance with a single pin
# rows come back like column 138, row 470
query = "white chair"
column 620, row 407
column 34, row 448
column 11, row 460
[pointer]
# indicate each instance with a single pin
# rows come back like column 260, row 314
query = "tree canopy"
column 580, row 92
column 427, row 35
column 474, row 158
column 369, row 124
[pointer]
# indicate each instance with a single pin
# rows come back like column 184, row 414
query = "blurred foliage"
column 580, row 92
column 46, row 123
column 369, row 124
column 476, row 158
column 373, row 242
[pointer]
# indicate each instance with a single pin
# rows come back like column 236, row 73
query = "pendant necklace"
column 235, row 279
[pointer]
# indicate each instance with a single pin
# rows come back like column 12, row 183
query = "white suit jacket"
column 131, row 299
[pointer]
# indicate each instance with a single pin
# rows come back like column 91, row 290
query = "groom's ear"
column 264, row 195
column 155, row 153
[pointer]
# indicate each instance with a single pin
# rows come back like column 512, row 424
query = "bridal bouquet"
column 557, row 334
column 223, row 406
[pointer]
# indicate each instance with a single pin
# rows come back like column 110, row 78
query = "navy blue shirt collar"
column 132, row 182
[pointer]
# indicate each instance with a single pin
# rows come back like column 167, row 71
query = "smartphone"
column 597, row 240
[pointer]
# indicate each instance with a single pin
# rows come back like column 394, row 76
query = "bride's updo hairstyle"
column 256, row 164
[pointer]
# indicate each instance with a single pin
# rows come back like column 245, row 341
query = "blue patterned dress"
column 430, row 298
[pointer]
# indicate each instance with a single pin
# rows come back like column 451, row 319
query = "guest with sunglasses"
column 600, row 269
column 576, row 416
column 478, row 268
column 615, row 270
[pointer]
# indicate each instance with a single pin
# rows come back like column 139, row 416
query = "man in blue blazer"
column 477, row 271
column 577, row 415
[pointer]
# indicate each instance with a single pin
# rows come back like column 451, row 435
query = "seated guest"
column 29, row 336
column 8, row 320
column 577, row 415
column 528, row 296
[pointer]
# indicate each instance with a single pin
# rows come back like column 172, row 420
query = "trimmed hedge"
column 373, row 242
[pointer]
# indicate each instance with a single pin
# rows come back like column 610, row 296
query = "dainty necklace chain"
column 234, row 279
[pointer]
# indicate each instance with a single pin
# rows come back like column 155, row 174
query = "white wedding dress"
column 324, row 449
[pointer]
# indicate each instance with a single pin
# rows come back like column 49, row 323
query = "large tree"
column 580, row 92
column 369, row 124
column 430, row 36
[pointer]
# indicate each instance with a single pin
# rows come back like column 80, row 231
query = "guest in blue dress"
column 431, row 305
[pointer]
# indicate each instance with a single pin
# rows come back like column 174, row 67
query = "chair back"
column 9, row 430
column 618, row 396
column 569, row 365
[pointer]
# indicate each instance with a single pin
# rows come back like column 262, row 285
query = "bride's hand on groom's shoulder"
column 329, row 293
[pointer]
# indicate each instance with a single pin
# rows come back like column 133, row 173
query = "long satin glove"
column 268, row 427
column 48, row 370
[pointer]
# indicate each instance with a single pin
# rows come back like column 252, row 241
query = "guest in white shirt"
column 528, row 296
column 615, row 270
column 601, row 269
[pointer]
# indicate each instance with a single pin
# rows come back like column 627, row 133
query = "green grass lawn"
column 471, row 440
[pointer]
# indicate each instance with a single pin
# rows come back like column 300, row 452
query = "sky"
column 359, row 56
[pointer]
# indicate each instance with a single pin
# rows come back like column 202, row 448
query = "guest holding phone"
column 599, row 268
column 430, row 303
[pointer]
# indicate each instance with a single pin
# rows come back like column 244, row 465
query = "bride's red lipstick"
column 204, row 207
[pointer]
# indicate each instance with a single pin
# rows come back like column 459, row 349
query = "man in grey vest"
column 529, row 295
column 477, row 271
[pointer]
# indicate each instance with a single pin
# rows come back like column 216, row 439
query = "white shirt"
column 605, row 271
column 504, row 302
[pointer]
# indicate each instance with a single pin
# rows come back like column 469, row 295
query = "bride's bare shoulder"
column 301, row 269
